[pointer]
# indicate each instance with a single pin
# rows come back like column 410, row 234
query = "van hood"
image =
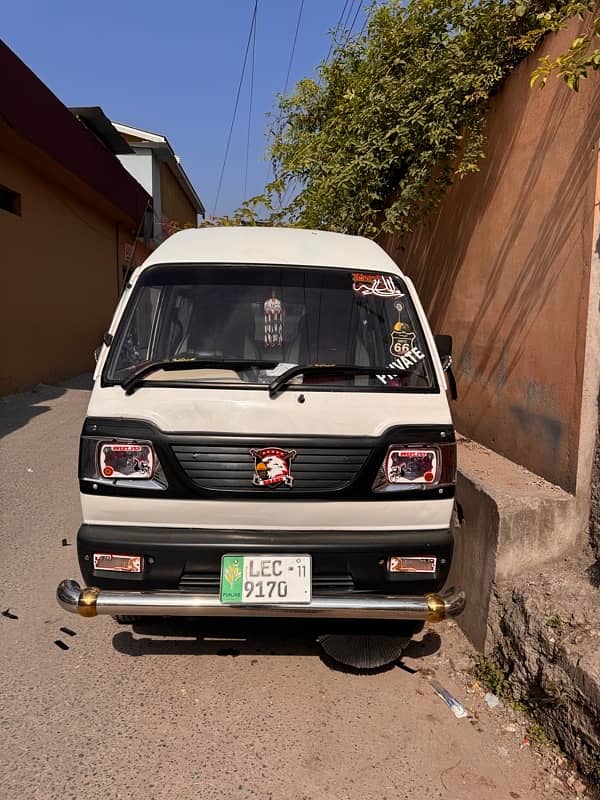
column 230, row 410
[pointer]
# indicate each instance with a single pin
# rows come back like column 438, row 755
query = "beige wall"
column 504, row 266
column 59, row 272
column 175, row 205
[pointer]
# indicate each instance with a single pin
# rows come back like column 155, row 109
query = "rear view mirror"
column 444, row 348
column 443, row 343
column 107, row 340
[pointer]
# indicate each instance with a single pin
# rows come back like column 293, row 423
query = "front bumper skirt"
column 89, row 602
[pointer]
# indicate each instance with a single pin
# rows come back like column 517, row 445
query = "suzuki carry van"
column 268, row 435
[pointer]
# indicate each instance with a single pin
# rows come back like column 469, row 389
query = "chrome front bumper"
column 90, row 601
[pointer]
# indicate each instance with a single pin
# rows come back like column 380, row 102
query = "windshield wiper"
column 333, row 369
column 133, row 381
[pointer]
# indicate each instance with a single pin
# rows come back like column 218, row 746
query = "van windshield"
column 242, row 316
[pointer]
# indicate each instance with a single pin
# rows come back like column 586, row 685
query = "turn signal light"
column 420, row 564
column 114, row 562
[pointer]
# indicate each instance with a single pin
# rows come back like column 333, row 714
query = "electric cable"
column 289, row 69
column 245, row 195
column 235, row 108
column 350, row 9
column 287, row 77
column 336, row 29
column 353, row 22
column 348, row 30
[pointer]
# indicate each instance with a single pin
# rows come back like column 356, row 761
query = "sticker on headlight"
column 120, row 460
column 411, row 466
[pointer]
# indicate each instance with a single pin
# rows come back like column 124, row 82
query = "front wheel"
column 127, row 619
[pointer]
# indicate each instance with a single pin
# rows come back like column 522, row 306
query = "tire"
column 127, row 619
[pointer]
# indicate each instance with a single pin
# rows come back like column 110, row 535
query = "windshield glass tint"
column 289, row 316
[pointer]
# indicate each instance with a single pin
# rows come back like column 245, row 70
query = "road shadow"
column 256, row 638
column 16, row 410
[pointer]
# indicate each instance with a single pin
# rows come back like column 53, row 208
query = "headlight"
column 413, row 467
column 130, row 460
column 120, row 462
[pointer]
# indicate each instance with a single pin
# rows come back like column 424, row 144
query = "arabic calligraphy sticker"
column 366, row 284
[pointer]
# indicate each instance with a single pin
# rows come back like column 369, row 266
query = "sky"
column 174, row 68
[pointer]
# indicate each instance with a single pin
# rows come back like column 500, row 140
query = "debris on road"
column 491, row 700
column 60, row 644
column 453, row 704
column 65, row 543
column 68, row 631
column 8, row 614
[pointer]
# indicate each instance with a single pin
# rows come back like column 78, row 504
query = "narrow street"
column 165, row 713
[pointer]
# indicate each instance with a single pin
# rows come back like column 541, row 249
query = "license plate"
column 264, row 579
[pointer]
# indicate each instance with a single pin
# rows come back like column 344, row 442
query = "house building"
column 69, row 216
column 154, row 164
column 150, row 159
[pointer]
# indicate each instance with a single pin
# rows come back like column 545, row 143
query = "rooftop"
column 259, row 245
column 32, row 112
column 140, row 139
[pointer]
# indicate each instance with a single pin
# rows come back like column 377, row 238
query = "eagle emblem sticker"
column 273, row 466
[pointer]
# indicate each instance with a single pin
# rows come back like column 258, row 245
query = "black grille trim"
column 228, row 467
column 209, row 583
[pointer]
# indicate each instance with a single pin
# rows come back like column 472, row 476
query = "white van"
column 268, row 436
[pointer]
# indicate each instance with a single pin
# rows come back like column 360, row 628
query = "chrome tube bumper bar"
column 91, row 601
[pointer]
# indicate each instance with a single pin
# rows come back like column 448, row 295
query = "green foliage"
column 574, row 65
column 537, row 736
column 592, row 768
column 398, row 113
column 555, row 621
column 491, row 676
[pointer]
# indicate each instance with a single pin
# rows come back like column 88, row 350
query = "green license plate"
column 265, row 579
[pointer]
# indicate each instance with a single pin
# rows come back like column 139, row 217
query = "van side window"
column 137, row 343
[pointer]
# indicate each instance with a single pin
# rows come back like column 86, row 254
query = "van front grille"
column 230, row 466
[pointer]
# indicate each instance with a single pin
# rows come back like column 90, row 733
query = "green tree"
column 400, row 111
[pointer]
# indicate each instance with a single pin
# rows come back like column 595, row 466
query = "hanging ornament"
column 273, row 322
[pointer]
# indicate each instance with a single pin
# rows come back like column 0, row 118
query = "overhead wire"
column 353, row 22
column 289, row 69
column 336, row 30
column 245, row 196
column 235, row 108
column 270, row 168
column 350, row 9
column 348, row 28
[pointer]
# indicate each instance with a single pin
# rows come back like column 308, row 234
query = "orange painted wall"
column 504, row 266
column 175, row 205
column 59, row 272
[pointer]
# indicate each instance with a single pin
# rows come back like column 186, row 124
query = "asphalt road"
column 168, row 713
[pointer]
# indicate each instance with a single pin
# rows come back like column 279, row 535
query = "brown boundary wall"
column 61, row 264
column 504, row 266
